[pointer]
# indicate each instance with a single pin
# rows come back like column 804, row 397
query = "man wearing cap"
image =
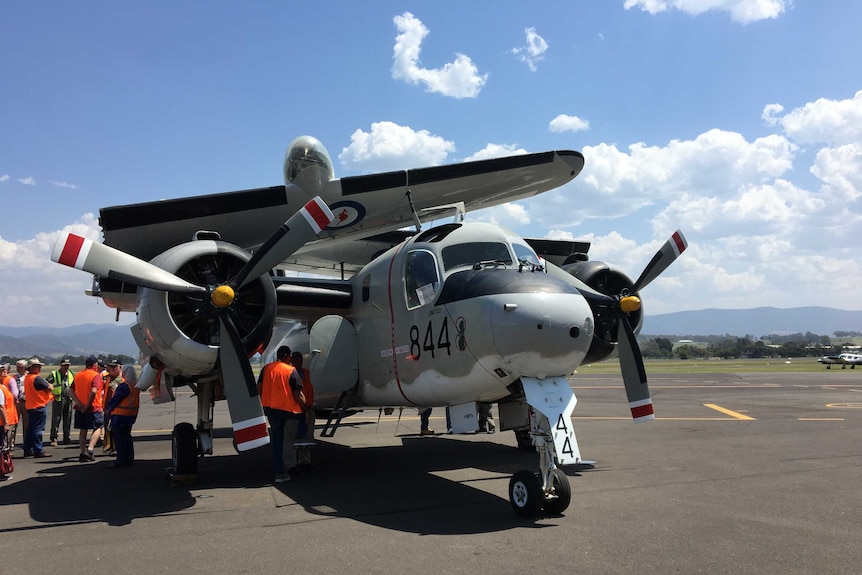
column 280, row 390
column 61, row 408
column 39, row 394
column 122, row 410
column 87, row 402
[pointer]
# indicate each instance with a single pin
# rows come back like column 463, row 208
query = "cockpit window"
column 469, row 254
column 526, row 254
column 421, row 278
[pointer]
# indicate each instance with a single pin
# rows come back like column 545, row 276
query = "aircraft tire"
column 563, row 489
column 525, row 493
column 184, row 449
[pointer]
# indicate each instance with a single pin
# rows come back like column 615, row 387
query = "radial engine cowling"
column 181, row 330
column 608, row 280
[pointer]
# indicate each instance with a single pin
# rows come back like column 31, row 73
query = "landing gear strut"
column 549, row 490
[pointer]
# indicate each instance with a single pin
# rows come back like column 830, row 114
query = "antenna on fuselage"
column 409, row 195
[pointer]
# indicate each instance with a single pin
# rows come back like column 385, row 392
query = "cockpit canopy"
column 307, row 164
column 440, row 251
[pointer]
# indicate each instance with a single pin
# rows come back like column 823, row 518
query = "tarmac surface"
column 739, row 473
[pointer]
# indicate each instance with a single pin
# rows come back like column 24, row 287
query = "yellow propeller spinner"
column 630, row 303
column 222, row 296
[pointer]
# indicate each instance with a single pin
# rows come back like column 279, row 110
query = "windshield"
column 469, row 254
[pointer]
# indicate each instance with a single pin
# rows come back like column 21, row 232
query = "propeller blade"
column 104, row 261
column 240, row 388
column 634, row 374
column 300, row 228
column 661, row 260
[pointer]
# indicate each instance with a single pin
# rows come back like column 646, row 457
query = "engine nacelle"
column 181, row 330
column 608, row 280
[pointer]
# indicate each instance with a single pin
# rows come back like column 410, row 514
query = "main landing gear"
column 549, row 490
column 189, row 443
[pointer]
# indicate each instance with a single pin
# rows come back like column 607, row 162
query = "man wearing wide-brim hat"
column 39, row 393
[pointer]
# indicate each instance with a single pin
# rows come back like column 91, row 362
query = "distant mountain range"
column 756, row 322
column 117, row 339
column 83, row 339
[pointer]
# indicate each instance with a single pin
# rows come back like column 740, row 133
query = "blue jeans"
column 282, row 436
column 424, row 418
column 35, row 429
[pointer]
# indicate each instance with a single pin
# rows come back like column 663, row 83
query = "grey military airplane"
column 452, row 315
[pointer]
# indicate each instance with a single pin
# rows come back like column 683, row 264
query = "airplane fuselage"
column 450, row 317
column 842, row 359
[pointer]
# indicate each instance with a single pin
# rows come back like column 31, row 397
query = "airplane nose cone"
column 542, row 335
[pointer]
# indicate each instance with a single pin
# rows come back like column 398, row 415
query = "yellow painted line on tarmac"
column 732, row 414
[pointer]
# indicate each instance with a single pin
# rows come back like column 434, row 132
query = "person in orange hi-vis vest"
column 280, row 391
column 87, row 400
column 122, row 411
column 39, row 393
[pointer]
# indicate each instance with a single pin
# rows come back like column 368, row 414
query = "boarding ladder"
column 339, row 411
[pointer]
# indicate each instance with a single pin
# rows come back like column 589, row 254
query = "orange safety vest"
column 129, row 405
column 5, row 383
column 307, row 389
column 275, row 391
column 83, row 384
column 36, row 398
column 9, row 408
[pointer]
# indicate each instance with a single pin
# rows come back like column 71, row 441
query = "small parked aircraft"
column 459, row 313
column 842, row 359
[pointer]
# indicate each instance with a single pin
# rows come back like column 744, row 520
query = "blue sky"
column 737, row 121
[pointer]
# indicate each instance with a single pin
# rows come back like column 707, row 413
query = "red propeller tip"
column 642, row 410
column 679, row 242
column 250, row 433
column 318, row 214
column 72, row 251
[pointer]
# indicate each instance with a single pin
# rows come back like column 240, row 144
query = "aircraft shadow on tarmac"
column 398, row 487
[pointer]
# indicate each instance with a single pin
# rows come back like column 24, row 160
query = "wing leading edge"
column 364, row 205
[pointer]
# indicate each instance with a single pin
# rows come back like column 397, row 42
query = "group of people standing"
column 86, row 397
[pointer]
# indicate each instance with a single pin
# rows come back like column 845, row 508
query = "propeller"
column 631, row 360
column 246, row 412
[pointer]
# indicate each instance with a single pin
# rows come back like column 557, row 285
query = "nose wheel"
column 529, row 498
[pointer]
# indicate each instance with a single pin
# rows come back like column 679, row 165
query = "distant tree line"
column 727, row 346
column 73, row 359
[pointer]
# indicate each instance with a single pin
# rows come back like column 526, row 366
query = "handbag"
column 6, row 464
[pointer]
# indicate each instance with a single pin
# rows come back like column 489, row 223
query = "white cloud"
column 64, row 185
column 565, row 123
column 4, row 178
column 28, row 181
column 45, row 293
column 458, row 79
column 841, row 171
column 826, row 121
column 495, row 151
column 742, row 11
column 510, row 215
column 770, row 113
column 392, row 147
column 533, row 51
